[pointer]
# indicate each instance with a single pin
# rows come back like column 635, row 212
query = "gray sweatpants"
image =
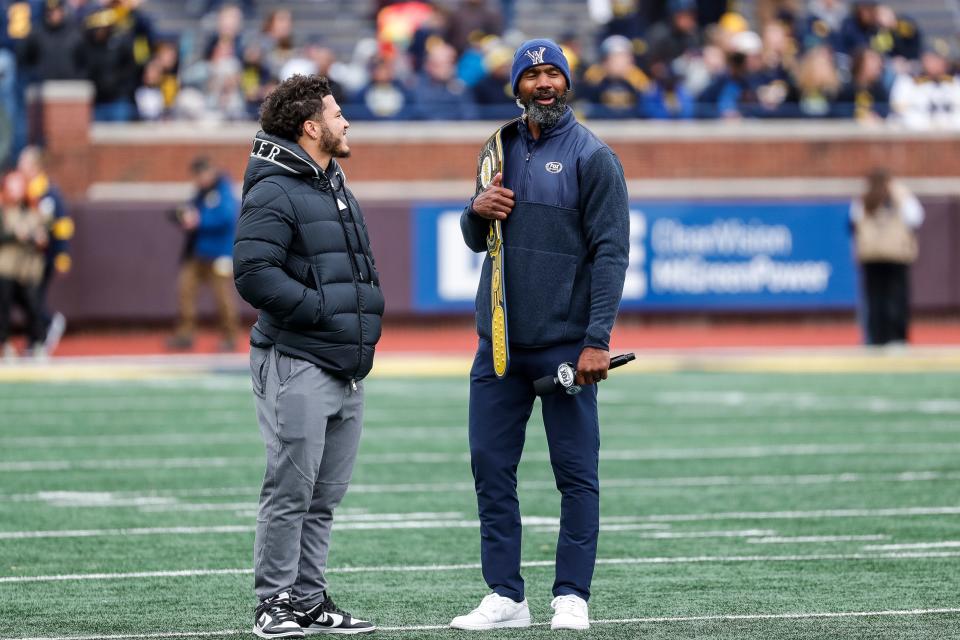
column 311, row 423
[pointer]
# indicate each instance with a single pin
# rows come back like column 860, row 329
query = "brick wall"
column 82, row 155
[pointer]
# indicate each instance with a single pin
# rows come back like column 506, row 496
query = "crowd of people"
column 449, row 60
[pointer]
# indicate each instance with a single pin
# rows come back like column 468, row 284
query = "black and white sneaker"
column 327, row 617
column 275, row 618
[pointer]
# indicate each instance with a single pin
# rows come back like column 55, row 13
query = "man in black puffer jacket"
column 302, row 257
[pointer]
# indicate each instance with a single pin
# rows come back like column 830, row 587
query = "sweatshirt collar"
column 566, row 123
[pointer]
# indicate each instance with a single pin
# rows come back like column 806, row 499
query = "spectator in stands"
column 494, row 93
column 46, row 198
column 53, row 50
column 900, row 32
column 627, row 18
column 438, row 94
column 314, row 59
column 470, row 67
column 615, row 85
column 23, row 241
column 470, row 21
column 778, row 65
column 276, row 40
column 734, row 93
column 385, row 97
column 572, row 48
column 676, row 36
column 823, row 23
column 930, row 100
column 157, row 94
column 710, row 11
column 866, row 97
column 666, row 98
column 224, row 89
column 430, row 31
column 15, row 26
column 770, row 10
column 111, row 66
column 228, row 39
column 209, row 221
column 884, row 220
column 817, row 83
column 149, row 95
column 257, row 80
column 398, row 20
column 877, row 26
column 859, row 27
column 703, row 73
column 203, row 7
column 132, row 19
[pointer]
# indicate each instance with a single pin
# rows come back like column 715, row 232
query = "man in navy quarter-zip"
column 302, row 257
column 562, row 202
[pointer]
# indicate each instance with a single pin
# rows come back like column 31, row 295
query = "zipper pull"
column 353, row 384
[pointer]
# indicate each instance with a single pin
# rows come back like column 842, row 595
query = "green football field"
column 758, row 506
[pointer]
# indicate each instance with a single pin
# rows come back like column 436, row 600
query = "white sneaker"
column 569, row 612
column 494, row 612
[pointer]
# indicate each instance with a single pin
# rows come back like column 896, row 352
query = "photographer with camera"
column 208, row 221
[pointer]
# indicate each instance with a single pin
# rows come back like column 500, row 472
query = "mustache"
column 545, row 93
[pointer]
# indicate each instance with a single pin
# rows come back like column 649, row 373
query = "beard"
column 331, row 144
column 546, row 115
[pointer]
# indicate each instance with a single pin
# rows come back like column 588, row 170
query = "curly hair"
column 295, row 100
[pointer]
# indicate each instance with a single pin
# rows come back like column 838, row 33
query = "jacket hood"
column 273, row 156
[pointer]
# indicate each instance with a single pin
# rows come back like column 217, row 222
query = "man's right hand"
column 496, row 202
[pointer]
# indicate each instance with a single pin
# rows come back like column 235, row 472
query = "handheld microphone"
column 567, row 375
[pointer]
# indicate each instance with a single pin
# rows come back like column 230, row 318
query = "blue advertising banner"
column 709, row 255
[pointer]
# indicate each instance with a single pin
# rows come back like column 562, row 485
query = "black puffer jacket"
column 302, row 257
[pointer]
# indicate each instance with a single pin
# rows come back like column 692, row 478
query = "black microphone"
column 567, row 375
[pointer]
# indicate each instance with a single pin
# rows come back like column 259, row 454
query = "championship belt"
column 489, row 164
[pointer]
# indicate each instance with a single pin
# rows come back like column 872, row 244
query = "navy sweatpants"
column 499, row 410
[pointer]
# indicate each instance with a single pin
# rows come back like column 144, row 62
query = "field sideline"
column 739, row 501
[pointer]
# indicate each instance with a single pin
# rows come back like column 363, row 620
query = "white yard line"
column 161, row 496
column 803, row 515
column 669, row 535
column 191, row 573
column 815, row 539
column 439, row 520
column 649, row 620
column 202, row 434
column 946, row 544
column 805, row 401
column 133, row 531
column 144, row 440
column 344, row 522
column 710, row 453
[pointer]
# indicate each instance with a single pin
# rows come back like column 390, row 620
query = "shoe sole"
column 569, row 627
column 286, row 634
column 508, row 624
column 317, row 632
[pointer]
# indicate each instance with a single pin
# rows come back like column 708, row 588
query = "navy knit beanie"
column 536, row 52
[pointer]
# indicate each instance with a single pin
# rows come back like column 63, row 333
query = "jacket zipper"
column 358, row 275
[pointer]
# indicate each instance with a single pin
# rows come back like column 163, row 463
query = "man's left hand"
column 189, row 218
column 593, row 365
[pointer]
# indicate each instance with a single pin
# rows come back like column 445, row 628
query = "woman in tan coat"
column 884, row 220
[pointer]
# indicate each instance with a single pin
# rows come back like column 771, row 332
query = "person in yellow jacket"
column 43, row 195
